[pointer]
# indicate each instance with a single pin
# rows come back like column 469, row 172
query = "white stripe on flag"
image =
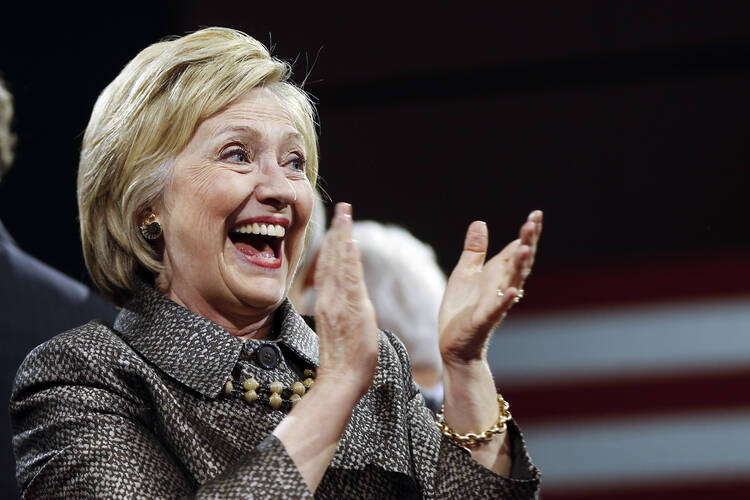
column 663, row 449
column 622, row 341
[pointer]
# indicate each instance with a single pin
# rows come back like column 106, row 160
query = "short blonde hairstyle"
column 144, row 118
column 7, row 139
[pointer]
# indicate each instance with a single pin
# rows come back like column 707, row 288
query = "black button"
column 268, row 356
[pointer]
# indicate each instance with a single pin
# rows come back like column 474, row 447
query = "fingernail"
column 343, row 208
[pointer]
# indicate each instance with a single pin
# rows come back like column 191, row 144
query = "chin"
column 260, row 293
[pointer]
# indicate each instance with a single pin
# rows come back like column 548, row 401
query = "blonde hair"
column 7, row 139
column 144, row 118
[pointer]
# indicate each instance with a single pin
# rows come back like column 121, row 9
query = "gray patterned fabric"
column 140, row 411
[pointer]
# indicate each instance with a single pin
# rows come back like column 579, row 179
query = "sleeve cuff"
column 470, row 475
column 267, row 472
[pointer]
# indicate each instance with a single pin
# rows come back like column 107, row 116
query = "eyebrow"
column 242, row 129
column 254, row 133
column 294, row 135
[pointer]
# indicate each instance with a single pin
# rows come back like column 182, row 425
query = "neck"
column 248, row 323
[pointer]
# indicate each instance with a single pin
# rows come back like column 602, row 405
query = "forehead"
column 259, row 109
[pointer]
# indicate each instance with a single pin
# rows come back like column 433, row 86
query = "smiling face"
column 235, row 213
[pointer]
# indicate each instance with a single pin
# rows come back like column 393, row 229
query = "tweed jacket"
column 143, row 410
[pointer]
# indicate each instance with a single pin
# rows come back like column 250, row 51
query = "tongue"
column 253, row 245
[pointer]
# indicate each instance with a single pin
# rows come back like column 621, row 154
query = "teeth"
column 276, row 230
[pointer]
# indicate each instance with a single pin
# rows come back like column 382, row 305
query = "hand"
column 472, row 306
column 344, row 316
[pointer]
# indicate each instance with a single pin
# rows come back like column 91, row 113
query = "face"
column 235, row 212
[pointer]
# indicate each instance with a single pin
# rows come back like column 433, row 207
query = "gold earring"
column 150, row 227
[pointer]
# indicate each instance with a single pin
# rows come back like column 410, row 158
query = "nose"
column 273, row 187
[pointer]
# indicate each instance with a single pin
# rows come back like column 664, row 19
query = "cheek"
column 304, row 201
column 302, row 211
column 303, row 208
column 204, row 201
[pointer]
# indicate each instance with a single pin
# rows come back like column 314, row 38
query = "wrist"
column 470, row 441
column 347, row 387
column 475, row 368
column 470, row 397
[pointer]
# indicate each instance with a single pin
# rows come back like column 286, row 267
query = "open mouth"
column 259, row 242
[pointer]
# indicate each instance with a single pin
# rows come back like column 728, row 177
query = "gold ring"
column 500, row 292
column 518, row 296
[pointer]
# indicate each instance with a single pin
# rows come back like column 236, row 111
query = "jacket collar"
column 194, row 350
column 296, row 334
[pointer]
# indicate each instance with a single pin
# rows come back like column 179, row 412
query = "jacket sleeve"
column 445, row 470
column 80, row 434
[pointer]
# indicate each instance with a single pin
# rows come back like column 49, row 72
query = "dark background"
column 627, row 122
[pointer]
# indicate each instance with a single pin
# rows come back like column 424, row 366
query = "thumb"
column 475, row 246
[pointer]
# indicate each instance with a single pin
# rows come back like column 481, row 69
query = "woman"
column 195, row 190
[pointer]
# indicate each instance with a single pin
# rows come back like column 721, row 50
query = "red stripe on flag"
column 683, row 489
column 615, row 397
column 628, row 283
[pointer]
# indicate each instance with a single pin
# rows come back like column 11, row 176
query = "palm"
column 472, row 306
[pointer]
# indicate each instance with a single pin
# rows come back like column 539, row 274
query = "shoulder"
column 89, row 355
column 90, row 337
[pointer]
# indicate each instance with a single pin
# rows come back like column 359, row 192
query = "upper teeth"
column 255, row 228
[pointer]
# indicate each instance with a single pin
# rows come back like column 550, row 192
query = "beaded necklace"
column 274, row 391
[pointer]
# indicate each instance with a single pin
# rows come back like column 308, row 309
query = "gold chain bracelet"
column 471, row 440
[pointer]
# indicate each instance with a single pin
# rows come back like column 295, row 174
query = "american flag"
column 629, row 381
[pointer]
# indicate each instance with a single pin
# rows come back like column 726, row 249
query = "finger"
column 353, row 281
column 528, row 240
column 342, row 222
column 506, row 268
column 342, row 236
column 535, row 217
column 527, row 233
column 521, row 266
column 507, row 301
column 347, row 264
column 494, row 307
column 475, row 247
column 323, row 265
column 324, row 279
column 325, row 271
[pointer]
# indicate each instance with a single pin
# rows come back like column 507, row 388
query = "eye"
column 235, row 154
column 297, row 162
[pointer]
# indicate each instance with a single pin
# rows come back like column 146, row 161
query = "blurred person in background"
column 36, row 301
column 405, row 284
